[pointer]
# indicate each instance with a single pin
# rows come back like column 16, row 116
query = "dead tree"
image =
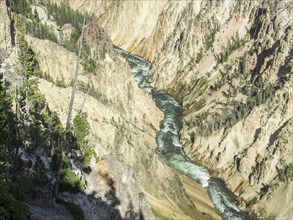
column 69, row 115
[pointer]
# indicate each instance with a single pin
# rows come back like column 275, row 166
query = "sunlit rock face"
column 208, row 54
column 5, row 25
column 229, row 63
column 124, row 121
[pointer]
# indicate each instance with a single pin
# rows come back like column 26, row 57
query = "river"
column 170, row 148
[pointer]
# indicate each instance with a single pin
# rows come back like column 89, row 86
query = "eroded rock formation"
column 207, row 54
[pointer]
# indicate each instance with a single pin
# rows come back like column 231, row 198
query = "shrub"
column 90, row 66
column 10, row 206
column 22, row 185
column 70, row 182
column 88, row 155
column 73, row 209
column 81, row 128
column 286, row 174
column 40, row 172
column 61, row 82
column 141, row 195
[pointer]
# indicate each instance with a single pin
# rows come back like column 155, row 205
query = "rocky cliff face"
column 123, row 122
column 230, row 64
column 6, row 24
column 127, row 175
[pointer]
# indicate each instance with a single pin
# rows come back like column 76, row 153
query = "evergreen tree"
column 81, row 128
column 11, row 207
column 9, row 139
column 5, row 105
column 20, row 7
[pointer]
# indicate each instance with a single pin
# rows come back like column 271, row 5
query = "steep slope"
column 126, row 173
column 121, row 18
column 6, row 25
column 125, row 130
column 230, row 64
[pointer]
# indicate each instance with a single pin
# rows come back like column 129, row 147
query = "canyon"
column 184, row 40
column 228, row 64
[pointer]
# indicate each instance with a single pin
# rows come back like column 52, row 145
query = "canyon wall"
column 123, row 121
column 126, row 172
column 230, row 65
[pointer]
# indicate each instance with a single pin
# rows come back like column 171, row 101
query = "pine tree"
column 81, row 128
column 9, row 139
column 11, row 207
column 5, row 105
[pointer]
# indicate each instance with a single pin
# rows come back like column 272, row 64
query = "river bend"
column 170, row 148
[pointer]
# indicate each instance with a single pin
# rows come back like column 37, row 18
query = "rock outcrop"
column 123, row 121
column 230, row 65
column 212, row 55
column 6, row 25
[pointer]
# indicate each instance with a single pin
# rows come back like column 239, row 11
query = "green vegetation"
column 210, row 39
column 272, row 217
column 61, row 82
column 102, row 53
column 21, row 7
column 71, row 182
column 233, row 110
column 286, row 175
column 61, row 14
column 40, row 30
column 81, row 128
column 253, row 201
column 92, row 91
column 199, row 55
column 200, row 86
column 88, row 154
column 11, row 206
column 141, row 195
column 238, row 79
column 90, row 66
column 231, row 46
column 29, row 128
column 195, row 61
column 28, row 65
column 47, row 77
column 73, row 209
column 31, row 22
column 40, row 172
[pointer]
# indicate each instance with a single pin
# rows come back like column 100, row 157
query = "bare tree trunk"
column 58, row 177
column 26, row 95
column 68, row 122
column 83, row 102
column 17, row 118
